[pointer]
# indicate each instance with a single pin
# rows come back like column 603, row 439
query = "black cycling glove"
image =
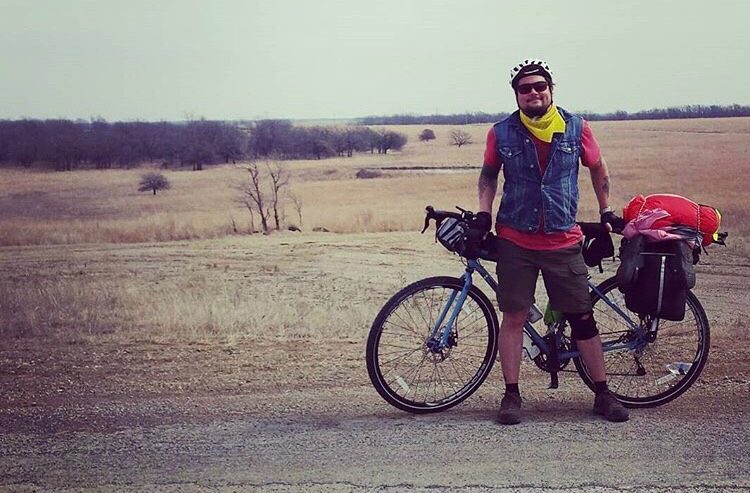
column 479, row 225
column 481, row 221
column 614, row 220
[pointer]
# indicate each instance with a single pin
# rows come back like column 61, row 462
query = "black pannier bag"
column 655, row 277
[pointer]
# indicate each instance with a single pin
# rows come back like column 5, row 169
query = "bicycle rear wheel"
column 411, row 376
column 658, row 371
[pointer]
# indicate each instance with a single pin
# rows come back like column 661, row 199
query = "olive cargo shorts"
column 564, row 272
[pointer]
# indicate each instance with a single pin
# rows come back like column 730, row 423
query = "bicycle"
column 434, row 342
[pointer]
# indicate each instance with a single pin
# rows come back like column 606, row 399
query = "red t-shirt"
column 539, row 240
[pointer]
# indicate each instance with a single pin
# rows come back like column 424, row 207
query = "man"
column 538, row 149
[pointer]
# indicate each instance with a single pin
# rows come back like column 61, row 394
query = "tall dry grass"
column 227, row 310
column 279, row 286
column 314, row 287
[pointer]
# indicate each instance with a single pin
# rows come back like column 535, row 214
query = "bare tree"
column 252, row 220
column 297, row 202
column 153, row 181
column 459, row 138
column 263, row 192
column 279, row 176
column 253, row 197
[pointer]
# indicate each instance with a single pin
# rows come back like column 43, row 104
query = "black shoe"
column 510, row 409
column 605, row 404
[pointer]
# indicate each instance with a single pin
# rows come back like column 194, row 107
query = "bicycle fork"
column 441, row 336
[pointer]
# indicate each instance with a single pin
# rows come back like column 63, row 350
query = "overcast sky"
column 235, row 59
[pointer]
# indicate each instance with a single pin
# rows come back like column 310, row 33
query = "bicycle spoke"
column 410, row 348
column 453, row 365
column 406, row 323
column 405, row 329
column 420, row 311
column 400, row 358
column 414, row 382
column 401, row 355
column 435, row 379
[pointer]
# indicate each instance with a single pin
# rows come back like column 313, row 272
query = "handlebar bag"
column 450, row 233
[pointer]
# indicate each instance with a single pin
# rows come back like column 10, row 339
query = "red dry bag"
column 682, row 211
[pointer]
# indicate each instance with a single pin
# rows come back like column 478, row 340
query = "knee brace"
column 582, row 325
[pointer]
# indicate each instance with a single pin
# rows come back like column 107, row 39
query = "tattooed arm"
column 487, row 188
column 600, row 181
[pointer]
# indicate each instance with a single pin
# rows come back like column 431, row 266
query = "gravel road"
column 346, row 439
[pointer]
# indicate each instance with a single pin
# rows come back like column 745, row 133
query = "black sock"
column 600, row 387
column 512, row 388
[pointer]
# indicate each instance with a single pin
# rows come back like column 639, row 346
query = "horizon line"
column 355, row 118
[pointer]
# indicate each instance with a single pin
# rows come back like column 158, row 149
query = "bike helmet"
column 530, row 66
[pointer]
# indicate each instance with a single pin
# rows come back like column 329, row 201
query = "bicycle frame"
column 456, row 301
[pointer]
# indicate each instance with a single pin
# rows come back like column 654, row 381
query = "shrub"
column 426, row 135
column 153, row 181
column 366, row 173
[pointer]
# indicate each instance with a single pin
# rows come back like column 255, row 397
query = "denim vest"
column 526, row 193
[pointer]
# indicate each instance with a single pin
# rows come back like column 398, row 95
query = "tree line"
column 279, row 138
column 436, row 119
column 66, row 145
column 676, row 112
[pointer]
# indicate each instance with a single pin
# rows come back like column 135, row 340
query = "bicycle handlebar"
column 487, row 249
column 439, row 215
column 589, row 229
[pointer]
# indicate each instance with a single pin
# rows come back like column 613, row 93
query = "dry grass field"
column 76, row 214
column 701, row 159
column 73, row 217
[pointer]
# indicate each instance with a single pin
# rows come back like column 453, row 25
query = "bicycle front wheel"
column 411, row 375
column 658, row 371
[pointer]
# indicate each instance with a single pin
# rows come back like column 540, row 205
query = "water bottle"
column 529, row 348
column 535, row 314
column 551, row 316
column 679, row 368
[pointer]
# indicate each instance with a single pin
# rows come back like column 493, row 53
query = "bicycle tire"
column 409, row 315
column 686, row 341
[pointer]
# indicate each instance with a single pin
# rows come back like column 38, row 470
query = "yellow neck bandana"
column 543, row 127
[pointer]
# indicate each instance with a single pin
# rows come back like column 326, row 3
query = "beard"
column 536, row 112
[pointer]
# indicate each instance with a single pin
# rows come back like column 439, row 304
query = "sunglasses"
column 539, row 87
